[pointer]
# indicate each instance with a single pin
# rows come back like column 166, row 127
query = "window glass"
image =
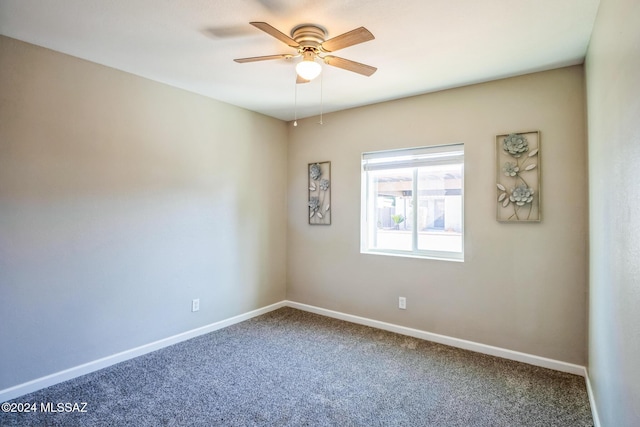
column 412, row 202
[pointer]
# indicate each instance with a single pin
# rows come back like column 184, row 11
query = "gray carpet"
column 292, row 368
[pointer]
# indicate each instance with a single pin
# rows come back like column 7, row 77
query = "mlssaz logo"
column 51, row 407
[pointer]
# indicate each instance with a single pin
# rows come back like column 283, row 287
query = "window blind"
column 413, row 157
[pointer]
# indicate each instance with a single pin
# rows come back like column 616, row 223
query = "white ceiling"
column 420, row 46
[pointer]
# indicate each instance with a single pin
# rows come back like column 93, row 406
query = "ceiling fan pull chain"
column 321, row 99
column 295, row 103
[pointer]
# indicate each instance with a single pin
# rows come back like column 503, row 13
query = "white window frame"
column 410, row 158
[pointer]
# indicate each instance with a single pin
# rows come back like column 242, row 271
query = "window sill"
column 452, row 258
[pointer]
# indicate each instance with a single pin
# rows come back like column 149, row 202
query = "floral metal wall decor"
column 320, row 193
column 518, row 176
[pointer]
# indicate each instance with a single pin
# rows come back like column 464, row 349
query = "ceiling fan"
column 309, row 41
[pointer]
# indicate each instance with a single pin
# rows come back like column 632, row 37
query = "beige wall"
column 522, row 286
column 613, row 93
column 121, row 200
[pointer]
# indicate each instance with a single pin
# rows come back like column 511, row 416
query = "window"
column 412, row 202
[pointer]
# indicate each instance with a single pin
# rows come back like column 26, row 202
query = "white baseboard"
column 67, row 374
column 592, row 402
column 443, row 339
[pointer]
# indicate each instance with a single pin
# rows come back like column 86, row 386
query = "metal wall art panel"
column 319, row 200
column 518, row 177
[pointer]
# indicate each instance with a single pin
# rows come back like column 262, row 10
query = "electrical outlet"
column 195, row 304
column 402, row 303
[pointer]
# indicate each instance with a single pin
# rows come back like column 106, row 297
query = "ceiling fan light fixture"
column 308, row 68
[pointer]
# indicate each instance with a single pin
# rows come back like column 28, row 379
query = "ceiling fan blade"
column 263, row 58
column 300, row 80
column 346, row 64
column 359, row 35
column 276, row 33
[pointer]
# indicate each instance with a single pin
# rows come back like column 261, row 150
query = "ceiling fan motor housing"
column 309, row 36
